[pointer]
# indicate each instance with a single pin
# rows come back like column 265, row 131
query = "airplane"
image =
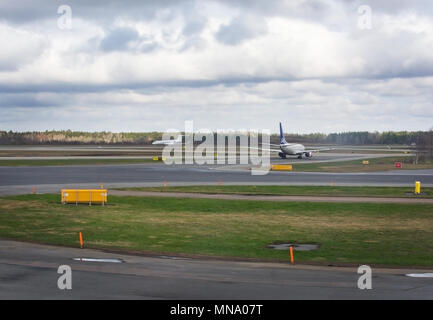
column 169, row 142
column 292, row 149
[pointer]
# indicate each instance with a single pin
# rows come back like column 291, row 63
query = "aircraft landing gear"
column 282, row 155
column 300, row 156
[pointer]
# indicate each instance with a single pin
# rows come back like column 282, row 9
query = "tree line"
column 82, row 137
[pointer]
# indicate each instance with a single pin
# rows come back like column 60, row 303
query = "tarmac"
column 18, row 180
column 30, row 271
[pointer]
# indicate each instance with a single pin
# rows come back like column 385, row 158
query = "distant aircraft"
column 292, row 149
column 169, row 142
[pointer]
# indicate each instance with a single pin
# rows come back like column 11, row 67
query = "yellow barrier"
column 365, row 162
column 158, row 159
column 281, row 167
column 417, row 187
column 90, row 196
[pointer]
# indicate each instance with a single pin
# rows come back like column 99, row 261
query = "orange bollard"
column 292, row 260
column 219, row 182
column 332, row 183
column 81, row 240
column 34, row 190
column 165, row 183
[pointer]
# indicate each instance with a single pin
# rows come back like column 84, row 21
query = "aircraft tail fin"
column 282, row 140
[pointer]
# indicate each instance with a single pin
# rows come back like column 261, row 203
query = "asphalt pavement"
column 30, row 271
column 16, row 180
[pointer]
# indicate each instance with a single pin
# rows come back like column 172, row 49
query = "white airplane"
column 169, row 142
column 292, row 149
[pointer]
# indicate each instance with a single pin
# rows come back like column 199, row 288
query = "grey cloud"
column 395, row 6
column 118, row 39
column 26, row 100
column 379, row 111
column 66, row 87
column 317, row 9
column 148, row 46
column 194, row 24
column 111, row 114
column 127, row 39
column 103, row 11
column 240, row 29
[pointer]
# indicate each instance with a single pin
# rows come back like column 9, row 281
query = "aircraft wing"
column 264, row 149
column 318, row 150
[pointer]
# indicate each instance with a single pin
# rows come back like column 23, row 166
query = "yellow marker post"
column 417, row 187
column 365, row 162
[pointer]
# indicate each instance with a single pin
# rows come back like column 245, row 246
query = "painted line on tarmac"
column 98, row 260
column 420, row 275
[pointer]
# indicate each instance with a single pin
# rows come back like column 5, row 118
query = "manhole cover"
column 296, row 247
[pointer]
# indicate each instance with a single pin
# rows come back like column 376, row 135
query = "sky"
column 316, row 66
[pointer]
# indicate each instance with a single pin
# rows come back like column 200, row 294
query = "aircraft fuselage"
column 292, row 149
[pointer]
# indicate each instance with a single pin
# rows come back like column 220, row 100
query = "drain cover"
column 297, row 246
column 98, row 260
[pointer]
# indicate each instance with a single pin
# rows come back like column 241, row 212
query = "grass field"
column 398, row 192
column 376, row 234
column 375, row 164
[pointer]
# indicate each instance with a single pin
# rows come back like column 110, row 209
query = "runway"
column 16, row 180
column 29, row 271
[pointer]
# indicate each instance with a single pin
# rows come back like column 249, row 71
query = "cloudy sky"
column 317, row 66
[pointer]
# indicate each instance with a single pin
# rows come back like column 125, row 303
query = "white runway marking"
column 420, row 275
column 98, row 260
